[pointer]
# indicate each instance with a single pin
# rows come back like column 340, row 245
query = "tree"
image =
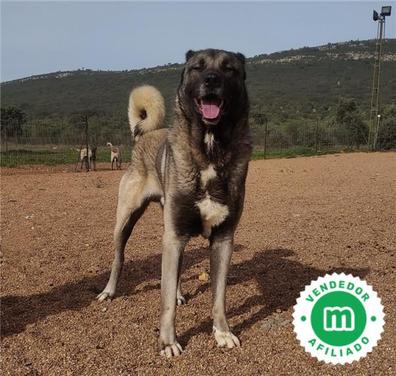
column 348, row 117
column 12, row 119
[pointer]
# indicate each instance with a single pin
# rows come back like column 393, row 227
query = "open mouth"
column 210, row 106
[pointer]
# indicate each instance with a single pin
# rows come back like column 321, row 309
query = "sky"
column 43, row 37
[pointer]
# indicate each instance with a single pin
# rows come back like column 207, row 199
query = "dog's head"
column 212, row 86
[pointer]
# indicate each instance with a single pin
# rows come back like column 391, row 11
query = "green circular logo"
column 338, row 318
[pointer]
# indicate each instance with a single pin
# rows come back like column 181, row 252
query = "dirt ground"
column 303, row 218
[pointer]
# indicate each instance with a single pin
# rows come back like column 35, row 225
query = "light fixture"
column 386, row 11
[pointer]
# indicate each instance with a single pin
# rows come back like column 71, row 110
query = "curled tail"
column 146, row 110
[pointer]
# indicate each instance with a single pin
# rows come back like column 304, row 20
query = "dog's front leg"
column 180, row 299
column 173, row 246
column 220, row 257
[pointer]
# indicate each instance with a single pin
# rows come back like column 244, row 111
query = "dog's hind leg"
column 132, row 203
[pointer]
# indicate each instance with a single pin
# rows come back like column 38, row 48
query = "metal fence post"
column 86, row 141
column 317, row 135
column 265, row 137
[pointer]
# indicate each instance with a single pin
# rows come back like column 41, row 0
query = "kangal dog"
column 196, row 169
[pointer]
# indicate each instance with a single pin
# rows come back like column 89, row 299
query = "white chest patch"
column 212, row 214
column 208, row 174
column 209, row 140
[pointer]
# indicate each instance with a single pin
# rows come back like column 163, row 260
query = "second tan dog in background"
column 115, row 156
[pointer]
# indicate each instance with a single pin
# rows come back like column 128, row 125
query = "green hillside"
column 293, row 88
column 293, row 79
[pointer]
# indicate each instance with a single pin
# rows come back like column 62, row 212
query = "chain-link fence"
column 314, row 136
column 42, row 144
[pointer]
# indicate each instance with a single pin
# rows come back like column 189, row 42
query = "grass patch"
column 68, row 155
column 20, row 157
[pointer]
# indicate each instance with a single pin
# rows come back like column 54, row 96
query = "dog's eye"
column 229, row 68
column 197, row 67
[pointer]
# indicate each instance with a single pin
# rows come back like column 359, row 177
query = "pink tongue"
column 210, row 110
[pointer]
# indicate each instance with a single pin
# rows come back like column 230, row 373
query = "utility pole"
column 375, row 92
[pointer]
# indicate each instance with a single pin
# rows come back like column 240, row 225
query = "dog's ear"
column 240, row 57
column 189, row 55
column 182, row 76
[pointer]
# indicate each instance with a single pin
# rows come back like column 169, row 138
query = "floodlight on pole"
column 386, row 11
column 375, row 93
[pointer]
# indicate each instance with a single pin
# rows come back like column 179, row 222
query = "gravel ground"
column 303, row 218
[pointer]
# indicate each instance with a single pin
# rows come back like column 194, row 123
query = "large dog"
column 197, row 171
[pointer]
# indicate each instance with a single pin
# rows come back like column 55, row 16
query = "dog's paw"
column 226, row 339
column 105, row 295
column 171, row 350
column 181, row 300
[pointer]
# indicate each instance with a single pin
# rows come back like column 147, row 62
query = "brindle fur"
column 197, row 170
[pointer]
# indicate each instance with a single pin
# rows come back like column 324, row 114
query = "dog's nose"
column 212, row 80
